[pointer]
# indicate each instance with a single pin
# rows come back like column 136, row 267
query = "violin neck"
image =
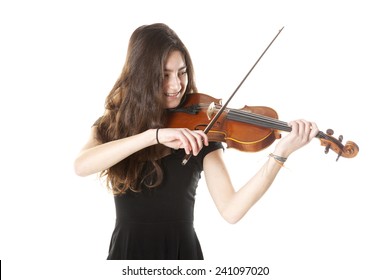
column 257, row 120
column 264, row 121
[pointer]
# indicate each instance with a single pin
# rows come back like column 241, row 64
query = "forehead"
column 175, row 60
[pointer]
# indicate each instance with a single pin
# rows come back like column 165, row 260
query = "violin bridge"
column 211, row 110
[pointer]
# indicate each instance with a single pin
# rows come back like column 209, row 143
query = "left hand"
column 302, row 133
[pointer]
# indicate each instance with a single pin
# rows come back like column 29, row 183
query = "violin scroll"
column 349, row 150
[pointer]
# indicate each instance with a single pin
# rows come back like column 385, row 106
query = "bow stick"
column 215, row 118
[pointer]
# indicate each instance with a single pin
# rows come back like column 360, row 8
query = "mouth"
column 172, row 95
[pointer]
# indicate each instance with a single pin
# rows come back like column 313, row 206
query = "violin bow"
column 222, row 109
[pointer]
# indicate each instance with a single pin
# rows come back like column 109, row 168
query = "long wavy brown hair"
column 135, row 104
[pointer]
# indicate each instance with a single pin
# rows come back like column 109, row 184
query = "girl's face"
column 175, row 79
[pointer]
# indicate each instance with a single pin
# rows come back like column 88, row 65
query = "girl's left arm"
column 232, row 204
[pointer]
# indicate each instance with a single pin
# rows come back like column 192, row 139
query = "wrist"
column 281, row 160
column 281, row 152
column 157, row 140
column 149, row 137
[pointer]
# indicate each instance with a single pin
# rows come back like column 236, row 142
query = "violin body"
column 249, row 129
column 195, row 113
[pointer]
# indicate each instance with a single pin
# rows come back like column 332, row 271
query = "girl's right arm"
column 96, row 157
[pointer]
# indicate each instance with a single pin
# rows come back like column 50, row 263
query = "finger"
column 203, row 137
column 300, row 128
column 200, row 139
column 183, row 145
column 197, row 141
column 294, row 127
column 306, row 129
column 192, row 141
column 184, row 141
column 314, row 130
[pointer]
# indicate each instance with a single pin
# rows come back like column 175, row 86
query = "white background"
column 330, row 64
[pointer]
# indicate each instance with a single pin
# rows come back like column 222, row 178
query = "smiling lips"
column 172, row 94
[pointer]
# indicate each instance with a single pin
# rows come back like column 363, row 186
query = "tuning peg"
column 338, row 156
column 341, row 138
column 329, row 131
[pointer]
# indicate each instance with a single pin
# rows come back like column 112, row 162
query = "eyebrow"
column 180, row 69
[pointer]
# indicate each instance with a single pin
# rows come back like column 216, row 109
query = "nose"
column 174, row 84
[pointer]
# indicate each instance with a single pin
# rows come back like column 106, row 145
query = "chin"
column 174, row 102
column 172, row 105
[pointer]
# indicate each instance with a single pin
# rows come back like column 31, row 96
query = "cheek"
column 165, row 84
column 184, row 82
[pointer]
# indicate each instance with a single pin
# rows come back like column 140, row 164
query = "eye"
column 182, row 73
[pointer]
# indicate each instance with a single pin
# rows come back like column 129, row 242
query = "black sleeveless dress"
column 157, row 223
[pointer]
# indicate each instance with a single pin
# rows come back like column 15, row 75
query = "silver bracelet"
column 278, row 158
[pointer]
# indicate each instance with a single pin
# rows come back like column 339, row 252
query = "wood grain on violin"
column 250, row 129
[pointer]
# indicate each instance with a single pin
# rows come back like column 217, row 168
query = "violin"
column 249, row 129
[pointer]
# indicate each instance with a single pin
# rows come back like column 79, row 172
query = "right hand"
column 191, row 141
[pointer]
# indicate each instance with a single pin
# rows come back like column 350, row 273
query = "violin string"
column 248, row 117
column 260, row 120
column 268, row 122
column 255, row 119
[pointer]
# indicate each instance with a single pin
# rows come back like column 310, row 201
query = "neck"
column 258, row 120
